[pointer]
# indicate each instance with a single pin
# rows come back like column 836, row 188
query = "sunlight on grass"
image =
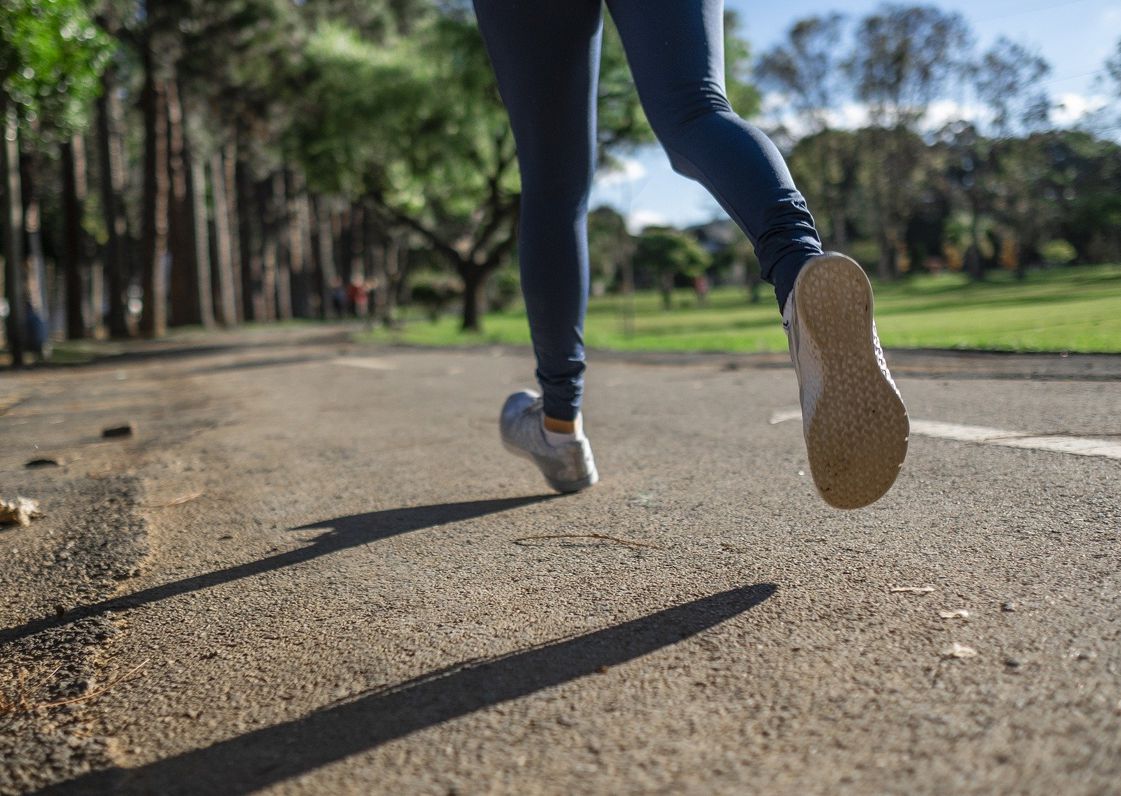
column 1073, row 309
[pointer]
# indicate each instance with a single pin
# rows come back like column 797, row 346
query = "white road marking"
column 983, row 435
column 369, row 363
column 784, row 415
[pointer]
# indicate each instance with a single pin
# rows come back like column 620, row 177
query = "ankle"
column 569, row 430
column 559, row 426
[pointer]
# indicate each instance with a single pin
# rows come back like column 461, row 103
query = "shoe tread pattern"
column 857, row 437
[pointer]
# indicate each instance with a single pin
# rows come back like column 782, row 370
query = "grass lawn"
column 1071, row 309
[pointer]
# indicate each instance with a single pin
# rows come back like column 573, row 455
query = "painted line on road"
column 367, row 363
column 983, row 435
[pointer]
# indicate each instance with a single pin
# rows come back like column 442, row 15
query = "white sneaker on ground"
column 853, row 417
column 568, row 467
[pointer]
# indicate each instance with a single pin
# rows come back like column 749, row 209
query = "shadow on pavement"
column 264, row 757
column 342, row 532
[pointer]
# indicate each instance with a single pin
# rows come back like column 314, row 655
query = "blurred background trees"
column 216, row 162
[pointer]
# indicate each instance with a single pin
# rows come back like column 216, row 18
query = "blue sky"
column 1075, row 36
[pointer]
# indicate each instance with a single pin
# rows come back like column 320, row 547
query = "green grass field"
column 1072, row 309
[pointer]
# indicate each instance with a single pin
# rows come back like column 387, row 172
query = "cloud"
column 638, row 220
column 1073, row 108
column 627, row 170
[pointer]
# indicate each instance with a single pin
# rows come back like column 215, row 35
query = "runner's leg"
column 546, row 57
column 676, row 53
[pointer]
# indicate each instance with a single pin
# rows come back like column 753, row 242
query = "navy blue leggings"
column 546, row 58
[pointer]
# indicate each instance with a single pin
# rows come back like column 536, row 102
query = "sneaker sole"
column 857, row 439
column 565, row 487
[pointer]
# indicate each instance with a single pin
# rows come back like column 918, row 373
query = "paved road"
column 314, row 569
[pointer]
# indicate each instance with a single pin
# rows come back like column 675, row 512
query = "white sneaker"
column 568, row 467
column 853, row 417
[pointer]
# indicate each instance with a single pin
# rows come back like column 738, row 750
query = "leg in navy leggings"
column 545, row 55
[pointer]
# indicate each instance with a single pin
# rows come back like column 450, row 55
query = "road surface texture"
column 312, row 568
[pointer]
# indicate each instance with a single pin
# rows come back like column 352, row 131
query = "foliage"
column 666, row 250
column 51, row 58
column 806, row 68
column 434, row 292
column 668, row 253
column 610, row 245
column 1058, row 252
column 903, row 57
column 505, row 289
column 1008, row 80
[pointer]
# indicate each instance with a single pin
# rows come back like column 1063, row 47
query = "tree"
column 51, row 56
column 1008, row 78
column 740, row 254
column 806, row 69
column 903, row 58
column 610, row 247
column 668, row 253
column 968, row 172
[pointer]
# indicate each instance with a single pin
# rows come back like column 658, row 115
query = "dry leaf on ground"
column 960, row 613
column 959, row 651
column 20, row 511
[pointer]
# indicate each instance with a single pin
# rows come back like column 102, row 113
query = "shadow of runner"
column 343, row 532
column 263, row 757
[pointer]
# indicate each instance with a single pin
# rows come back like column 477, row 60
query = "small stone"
column 119, row 431
column 36, row 464
column 59, row 611
column 1013, row 663
column 1008, row 607
column 959, row 652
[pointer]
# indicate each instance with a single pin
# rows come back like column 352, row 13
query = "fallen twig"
column 124, row 678
column 911, row 590
column 20, row 702
column 179, row 501
column 600, row 536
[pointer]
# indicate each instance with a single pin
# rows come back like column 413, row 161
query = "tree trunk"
column 184, row 304
column 37, row 288
column 252, row 298
column 394, row 263
column 474, row 281
column 153, row 321
column 13, row 226
column 974, row 263
column 225, row 295
column 325, row 257
column 229, row 182
column 73, row 200
column 266, row 210
column 111, row 156
column 299, row 245
column 280, row 240
column 95, row 291
column 344, row 232
column 886, row 265
column 666, row 289
column 196, row 190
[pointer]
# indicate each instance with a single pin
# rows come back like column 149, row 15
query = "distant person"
column 701, row 288
column 546, row 57
column 338, row 297
column 35, row 328
column 357, row 297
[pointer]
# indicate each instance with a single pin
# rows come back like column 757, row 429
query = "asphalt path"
column 313, row 569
